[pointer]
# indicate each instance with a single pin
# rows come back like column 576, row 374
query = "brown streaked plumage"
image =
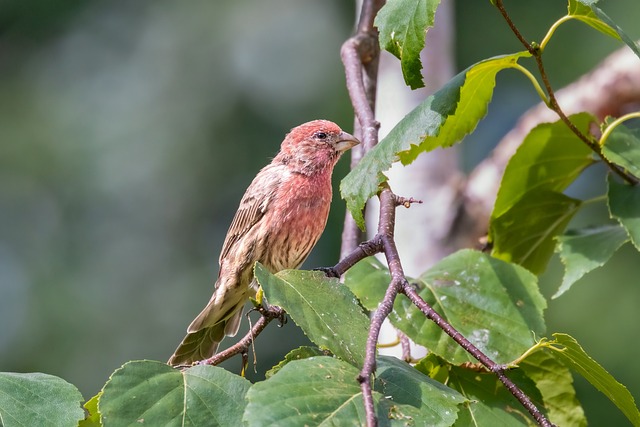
column 280, row 218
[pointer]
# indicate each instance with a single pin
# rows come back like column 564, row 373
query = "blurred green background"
column 130, row 130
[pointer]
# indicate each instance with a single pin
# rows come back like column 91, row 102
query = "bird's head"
column 315, row 145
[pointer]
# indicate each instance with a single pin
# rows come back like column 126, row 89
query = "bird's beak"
column 346, row 141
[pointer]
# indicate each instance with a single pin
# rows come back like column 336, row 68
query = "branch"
column 360, row 55
column 384, row 242
column 242, row 347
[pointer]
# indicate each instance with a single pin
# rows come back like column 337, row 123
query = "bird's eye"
column 320, row 135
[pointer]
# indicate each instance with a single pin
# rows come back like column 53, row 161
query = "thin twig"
column 406, row 346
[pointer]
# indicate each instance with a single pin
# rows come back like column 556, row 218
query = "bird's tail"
column 203, row 337
column 197, row 346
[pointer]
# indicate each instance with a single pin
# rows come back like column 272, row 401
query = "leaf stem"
column 597, row 199
column 552, row 30
column 614, row 124
column 534, row 82
column 540, row 344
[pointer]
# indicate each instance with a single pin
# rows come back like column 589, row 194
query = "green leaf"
column 299, row 353
column 36, row 399
column 491, row 404
column 325, row 309
column 530, row 210
column 587, row 12
column 153, row 393
column 93, row 415
column 550, row 158
column 525, row 233
column 403, row 25
column 622, row 147
column 494, row 304
column 568, row 351
column 435, row 404
column 368, row 280
column 624, row 205
column 307, row 392
column 443, row 119
column 587, row 249
column 324, row 391
column 434, row 367
column 555, row 383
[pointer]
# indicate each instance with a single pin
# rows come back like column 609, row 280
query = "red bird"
column 280, row 218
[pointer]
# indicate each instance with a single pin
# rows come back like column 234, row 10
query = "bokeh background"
column 130, row 130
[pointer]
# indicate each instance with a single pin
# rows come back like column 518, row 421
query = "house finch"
column 280, row 218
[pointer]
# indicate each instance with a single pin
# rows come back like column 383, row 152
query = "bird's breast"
column 300, row 215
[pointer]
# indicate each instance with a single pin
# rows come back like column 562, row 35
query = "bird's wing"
column 253, row 206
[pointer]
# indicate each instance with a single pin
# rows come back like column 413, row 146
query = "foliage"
column 492, row 299
column 530, row 209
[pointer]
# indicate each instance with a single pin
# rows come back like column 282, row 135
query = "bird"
column 279, row 220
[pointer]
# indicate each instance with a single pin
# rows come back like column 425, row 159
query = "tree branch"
column 242, row 347
column 360, row 55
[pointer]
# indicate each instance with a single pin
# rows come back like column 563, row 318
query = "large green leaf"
column 324, row 391
column 525, row 233
column 624, row 205
column 550, row 158
column 402, row 26
column 587, row 12
column 311, row 391
column 443, row 119
column 587, row 249
column 530, row 210
column 623, row 148
column 567, row 350
column 555, row 383
column 326, row 310
column 494, row 304
column 155, row 394
column 36, row 399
